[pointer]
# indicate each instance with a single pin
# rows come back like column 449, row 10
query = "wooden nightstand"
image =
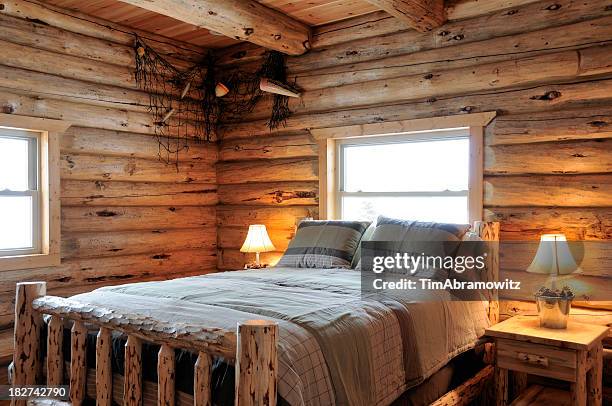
column 573, row 354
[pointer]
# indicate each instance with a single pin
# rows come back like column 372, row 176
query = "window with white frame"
column 29, row 191
column 421, row 176
column 20, row 210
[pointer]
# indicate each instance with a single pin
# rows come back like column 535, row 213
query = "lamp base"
column 553, row 311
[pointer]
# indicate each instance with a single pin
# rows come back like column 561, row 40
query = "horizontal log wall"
column 544, row 67
column 126, row 216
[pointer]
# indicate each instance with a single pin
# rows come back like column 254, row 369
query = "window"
column 29, row 192
column 421, row 176
column 428, row 169
column 19, row 192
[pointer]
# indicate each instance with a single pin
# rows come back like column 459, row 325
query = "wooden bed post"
column 489, row 231
column 27, row 363
column 256, row 363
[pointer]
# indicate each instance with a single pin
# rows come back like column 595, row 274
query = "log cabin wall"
column 544, row 66
column 126, row 216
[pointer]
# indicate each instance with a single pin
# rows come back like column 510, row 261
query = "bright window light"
column 16, row 220
column 14, row 163
column 19, row 193
column 423, row 178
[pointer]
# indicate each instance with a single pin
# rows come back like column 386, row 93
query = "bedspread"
column 336, row 347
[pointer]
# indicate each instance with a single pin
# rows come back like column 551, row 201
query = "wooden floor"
column 538, row 395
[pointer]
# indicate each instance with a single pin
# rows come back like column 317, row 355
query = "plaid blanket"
column 335, row 346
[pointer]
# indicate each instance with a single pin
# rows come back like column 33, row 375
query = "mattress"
column 336, row 346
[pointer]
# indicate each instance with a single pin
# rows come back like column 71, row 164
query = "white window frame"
column 45, row 189
column 329, row 140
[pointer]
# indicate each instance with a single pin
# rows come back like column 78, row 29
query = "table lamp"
column 555, row 259
column 257, row 240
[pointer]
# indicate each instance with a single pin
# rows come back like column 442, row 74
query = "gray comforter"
column 335, row 346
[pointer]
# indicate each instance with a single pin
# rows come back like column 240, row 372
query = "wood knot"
column 428, row 76
column 211, row 13
column 277, row 37
column 8, row 109
column 172, row 209
column 349, row 53
column 578, row 155
column 1, row 7
column 278, row 196
column 512, row 12
column 161, row 256
column 443, row 33
column 458, row 37
column 105, row 213
column 553, row 7
column 431, row 100
column 598, row 124
column 304, row 194
column 248, row 31
column 467, row 109
column 553, row 94
column 71, row 163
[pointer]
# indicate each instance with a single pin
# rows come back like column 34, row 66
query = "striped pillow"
column 416, row 238
column 390, row 229
column 324, row 244
column 367, row 235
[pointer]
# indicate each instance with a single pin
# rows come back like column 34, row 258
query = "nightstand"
column 573, row 355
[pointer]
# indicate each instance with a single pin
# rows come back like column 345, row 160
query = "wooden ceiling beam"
column 422, row 15
column 244, row 20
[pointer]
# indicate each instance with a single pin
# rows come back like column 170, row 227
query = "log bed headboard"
column 252, row 347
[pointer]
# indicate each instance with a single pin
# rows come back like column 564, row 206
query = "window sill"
column 17, row 262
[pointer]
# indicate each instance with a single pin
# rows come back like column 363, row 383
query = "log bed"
column 252, row 349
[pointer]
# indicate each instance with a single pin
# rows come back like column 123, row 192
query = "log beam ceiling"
column 248, row 20
column 245, row 20
column 422, row 15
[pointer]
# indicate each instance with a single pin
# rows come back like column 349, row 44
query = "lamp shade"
column 257, row 240
column 553, row 256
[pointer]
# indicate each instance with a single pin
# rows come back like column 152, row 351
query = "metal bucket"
column 553, row 311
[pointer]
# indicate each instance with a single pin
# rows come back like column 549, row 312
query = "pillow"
column 407, row 232
column 324, row 244
column 367, row 235
column 417, row 238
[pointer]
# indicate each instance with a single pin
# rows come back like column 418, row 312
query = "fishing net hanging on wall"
column 246, row 90
column 188, row 105
column 178, row 101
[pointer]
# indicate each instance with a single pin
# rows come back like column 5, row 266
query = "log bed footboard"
column 252, row 348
